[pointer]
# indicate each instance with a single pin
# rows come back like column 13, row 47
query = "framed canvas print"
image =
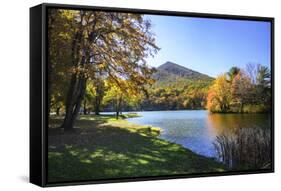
column 128, row 94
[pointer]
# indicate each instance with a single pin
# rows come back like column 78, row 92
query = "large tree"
column 234, row 71
column 261, row 78
column 59, row 57
column 241, row 90
column 114, row 44
column 219, row 95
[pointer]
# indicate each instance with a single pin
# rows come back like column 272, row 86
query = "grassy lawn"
column 103, row 147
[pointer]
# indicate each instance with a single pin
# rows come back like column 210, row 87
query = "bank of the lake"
column 197, row 130
column 103, row 147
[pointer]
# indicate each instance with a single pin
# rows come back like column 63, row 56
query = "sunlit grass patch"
column 103, row 147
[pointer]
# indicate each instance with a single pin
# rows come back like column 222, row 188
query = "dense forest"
column 97, row 62
column 175, row 87
column 241, row 90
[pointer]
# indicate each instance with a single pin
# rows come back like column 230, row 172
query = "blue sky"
column 210, row 46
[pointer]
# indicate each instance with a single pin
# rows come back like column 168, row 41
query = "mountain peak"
column 170, row 64
column 172, row 70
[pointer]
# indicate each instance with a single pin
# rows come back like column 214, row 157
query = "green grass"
column 130, row 115
column 103, row 147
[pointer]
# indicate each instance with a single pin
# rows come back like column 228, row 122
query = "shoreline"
column 230, row 112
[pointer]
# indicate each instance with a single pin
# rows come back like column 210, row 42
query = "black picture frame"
column 39, row 87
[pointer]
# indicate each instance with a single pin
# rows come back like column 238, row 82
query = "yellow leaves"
column 114, row 47
column 219, row 95
column 65, row 35
column 69, row 14
column 212, row 102
column 126, row 22
column 80, row 70
column 91, row 89
column 226, row 94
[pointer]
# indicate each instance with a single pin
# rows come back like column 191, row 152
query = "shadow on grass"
column 100, row 150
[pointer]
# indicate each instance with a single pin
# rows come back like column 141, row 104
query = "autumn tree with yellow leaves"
column 113, row 45
column 238, row 88
column 219, row 95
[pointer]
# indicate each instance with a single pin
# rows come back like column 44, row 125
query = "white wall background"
column 14, row 96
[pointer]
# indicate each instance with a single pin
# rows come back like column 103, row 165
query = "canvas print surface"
column 138, row 95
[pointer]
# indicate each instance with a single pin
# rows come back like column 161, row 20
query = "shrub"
column 245, row 148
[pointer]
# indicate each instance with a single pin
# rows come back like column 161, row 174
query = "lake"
column 197, row 129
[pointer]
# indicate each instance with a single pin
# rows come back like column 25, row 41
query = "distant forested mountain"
column 171, row 72
column 177, row 87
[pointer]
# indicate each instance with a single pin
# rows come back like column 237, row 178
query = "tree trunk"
column 117, row 108
column 120, row 104
column 241, row 107
column 74, row 99
column 97, row 105
column 97, row 112
column 77, row 86
column 58, row 111
column 85, row 107
column 100, row 94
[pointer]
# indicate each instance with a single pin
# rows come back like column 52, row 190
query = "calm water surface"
column 197, row 130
